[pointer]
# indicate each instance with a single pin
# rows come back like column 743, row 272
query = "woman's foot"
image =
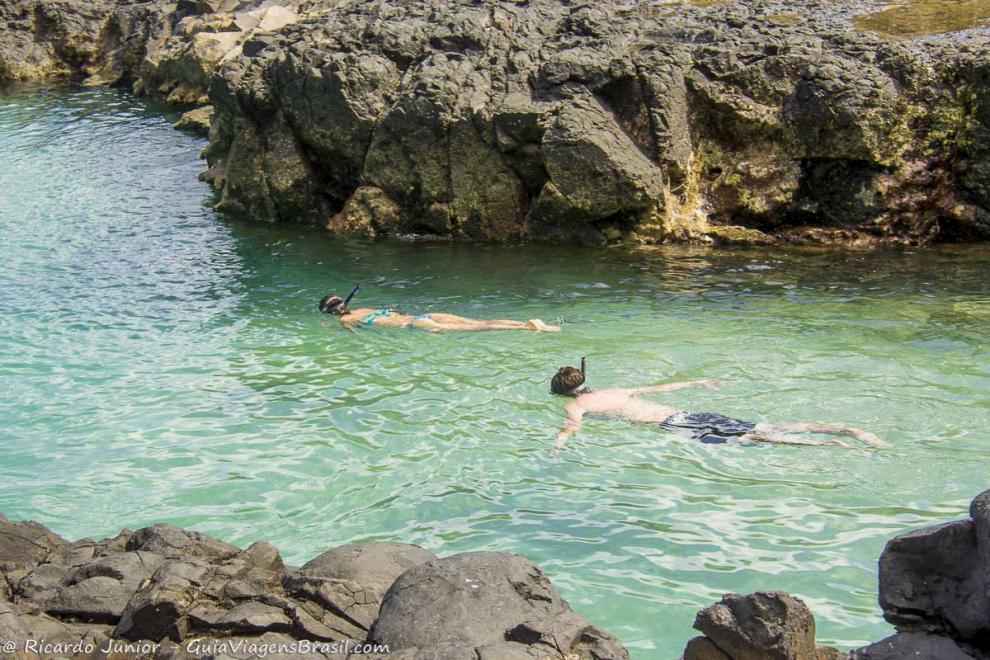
column 539, row 326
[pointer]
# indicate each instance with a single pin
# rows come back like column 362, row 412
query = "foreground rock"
column 760, row 626
column 166, row 592
column 934, row 588
column 736, row 122
column 485, row 605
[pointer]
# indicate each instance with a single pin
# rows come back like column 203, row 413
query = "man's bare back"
column 626, row 404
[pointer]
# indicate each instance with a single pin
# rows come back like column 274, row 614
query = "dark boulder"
column 702, row 648
column 173, row 542
column 96, row 591
column 937, row 579
column 97, row 599
column 479, row 599
column 27, row 544
column 353, row 578
column 159, row 609
column 760, row 626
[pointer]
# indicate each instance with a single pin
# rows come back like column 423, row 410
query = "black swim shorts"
column 710, row 428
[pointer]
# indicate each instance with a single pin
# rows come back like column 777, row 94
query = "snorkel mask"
column 334, row 304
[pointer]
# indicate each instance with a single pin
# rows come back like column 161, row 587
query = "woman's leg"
column 449, row 319
column 452, row 322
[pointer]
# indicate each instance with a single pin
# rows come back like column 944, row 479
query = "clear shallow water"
column 158, row 364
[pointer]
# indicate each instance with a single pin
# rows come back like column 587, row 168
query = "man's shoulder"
column 611, row 392
column 600, row 396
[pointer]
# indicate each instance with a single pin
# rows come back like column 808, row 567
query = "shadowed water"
column 158, row 364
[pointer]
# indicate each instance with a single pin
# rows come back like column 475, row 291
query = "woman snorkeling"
column 434, row 322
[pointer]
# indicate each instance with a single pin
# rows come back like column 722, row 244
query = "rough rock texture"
column 354, row 578
column 49, row 38
column 760, row 626
column 501, row 606
column 166, row 592
column 734, row 122
column 937, row 580
column 934, row 588
column 196, row 120
column 916, row 646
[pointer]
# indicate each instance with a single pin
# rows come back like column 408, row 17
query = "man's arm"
column 575, row 414
column 708, row 384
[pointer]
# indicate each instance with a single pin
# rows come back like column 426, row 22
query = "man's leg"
column 782, row 439
column 828, row 429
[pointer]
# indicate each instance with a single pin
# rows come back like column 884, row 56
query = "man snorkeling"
column 710, row 428
column 434, row 322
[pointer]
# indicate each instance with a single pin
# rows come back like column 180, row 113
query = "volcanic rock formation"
column 737, row 121
column 165, row 592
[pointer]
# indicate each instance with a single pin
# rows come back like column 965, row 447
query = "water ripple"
column 159, row 364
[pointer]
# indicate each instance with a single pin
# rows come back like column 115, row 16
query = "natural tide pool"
column 160, row 364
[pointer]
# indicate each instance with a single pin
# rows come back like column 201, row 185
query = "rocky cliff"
column 735, row 121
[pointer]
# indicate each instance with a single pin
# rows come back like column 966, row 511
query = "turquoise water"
column 160, row 364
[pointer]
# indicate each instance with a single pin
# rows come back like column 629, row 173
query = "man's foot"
column 539, row 326
column 869, row 438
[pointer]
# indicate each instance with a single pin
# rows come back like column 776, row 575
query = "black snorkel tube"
column 583, row 387
column 350, row 295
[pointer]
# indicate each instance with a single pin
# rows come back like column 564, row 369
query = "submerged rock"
column 552, row 120
column 196, row 120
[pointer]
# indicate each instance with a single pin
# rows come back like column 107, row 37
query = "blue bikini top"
column 370, row 318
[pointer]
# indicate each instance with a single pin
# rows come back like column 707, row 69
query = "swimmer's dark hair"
column 333, row 304
column 566, row 381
